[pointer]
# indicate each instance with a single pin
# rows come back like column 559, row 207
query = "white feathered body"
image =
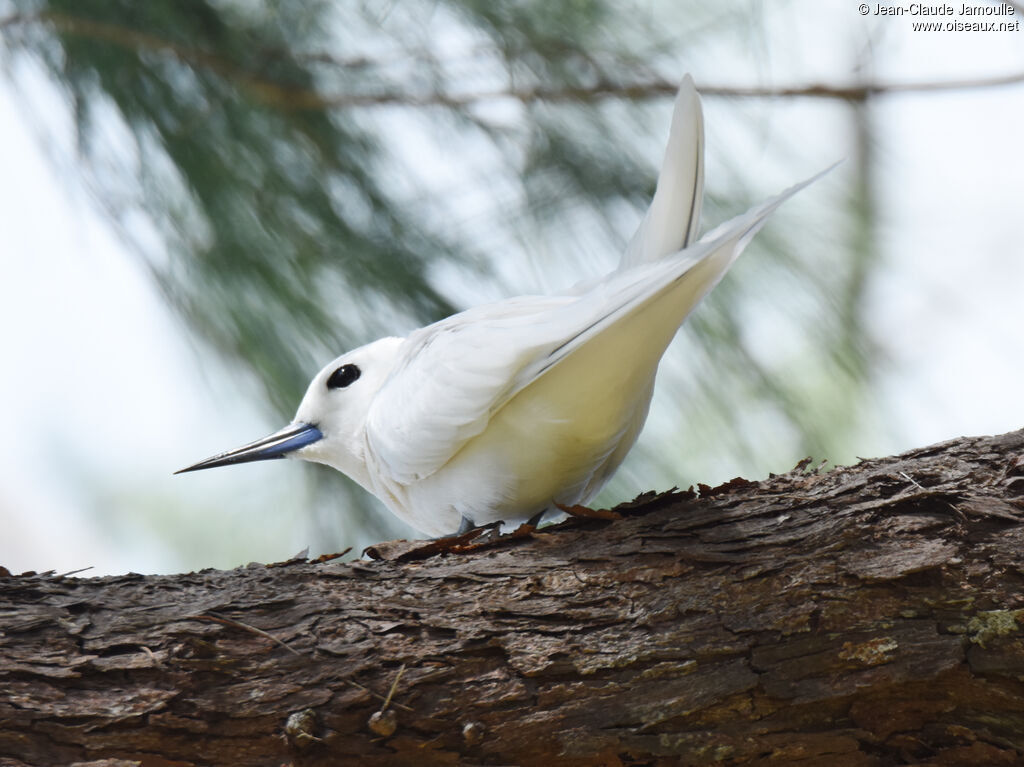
column 504, row 410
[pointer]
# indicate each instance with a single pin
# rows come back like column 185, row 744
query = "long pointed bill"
column 277, row 445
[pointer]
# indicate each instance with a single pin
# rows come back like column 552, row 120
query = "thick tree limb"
column 866, row 616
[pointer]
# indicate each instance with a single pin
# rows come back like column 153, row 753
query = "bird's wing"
column 452, row 376
column 673, row 217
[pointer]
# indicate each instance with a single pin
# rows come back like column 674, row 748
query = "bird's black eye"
column 343, row 376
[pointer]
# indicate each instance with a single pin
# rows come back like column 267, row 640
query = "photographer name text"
column 923, row 9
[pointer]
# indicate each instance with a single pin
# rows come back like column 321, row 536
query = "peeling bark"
column 870, row 615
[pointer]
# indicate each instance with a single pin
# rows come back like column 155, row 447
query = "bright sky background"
column 104, row 396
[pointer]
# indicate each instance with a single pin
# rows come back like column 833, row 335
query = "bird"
column 510, row 410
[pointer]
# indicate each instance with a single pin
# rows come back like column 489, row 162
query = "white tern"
column 506, row 409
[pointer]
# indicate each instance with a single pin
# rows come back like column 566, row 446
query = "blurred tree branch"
column 294, row 97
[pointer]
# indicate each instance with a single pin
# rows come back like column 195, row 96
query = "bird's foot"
column 468, row 531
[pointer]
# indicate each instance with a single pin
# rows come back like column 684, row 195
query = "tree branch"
column 866, row 616
column 293, row 97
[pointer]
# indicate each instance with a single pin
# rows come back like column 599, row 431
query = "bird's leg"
column 466, row 526
column 534, row 521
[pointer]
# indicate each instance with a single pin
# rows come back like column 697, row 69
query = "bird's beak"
column 277, row 445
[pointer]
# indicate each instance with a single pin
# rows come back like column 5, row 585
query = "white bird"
column 502, row 411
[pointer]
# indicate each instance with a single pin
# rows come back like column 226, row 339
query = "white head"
column 328, row 427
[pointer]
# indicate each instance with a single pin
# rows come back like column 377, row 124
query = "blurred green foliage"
column 303, row 177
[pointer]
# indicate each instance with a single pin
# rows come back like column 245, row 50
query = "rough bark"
column 870, row 615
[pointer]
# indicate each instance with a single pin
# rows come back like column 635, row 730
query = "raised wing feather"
column 454, row 375
column 673, row 218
